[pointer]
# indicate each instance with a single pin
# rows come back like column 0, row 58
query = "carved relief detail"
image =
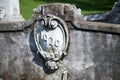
column 51, row 39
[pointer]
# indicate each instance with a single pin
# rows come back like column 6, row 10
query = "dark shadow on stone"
column 38, row 59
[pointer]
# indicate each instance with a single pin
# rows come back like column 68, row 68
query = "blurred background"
column 87, row 6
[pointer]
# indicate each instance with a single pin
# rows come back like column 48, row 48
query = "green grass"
column 87, row 6
column 27, row 6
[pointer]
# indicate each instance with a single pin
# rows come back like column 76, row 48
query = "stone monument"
column 57, row 44
column 10, row 11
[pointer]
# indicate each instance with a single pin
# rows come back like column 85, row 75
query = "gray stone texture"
column 10, row 11
column 93, row 51
column 93, row 56
column 109, row 17
column 19, row 62
column 96, row 17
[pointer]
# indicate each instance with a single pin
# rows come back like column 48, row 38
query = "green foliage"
column 87, row 6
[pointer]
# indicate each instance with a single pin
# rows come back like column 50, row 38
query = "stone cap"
column 67, row 12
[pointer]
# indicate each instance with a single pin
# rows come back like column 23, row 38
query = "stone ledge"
column 86, row 25
column 97, row 26
column 15, row 26
column 69, row 13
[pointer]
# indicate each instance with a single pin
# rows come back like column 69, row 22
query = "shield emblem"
column 51, row 38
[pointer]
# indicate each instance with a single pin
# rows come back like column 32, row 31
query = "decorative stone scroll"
column 51, row 39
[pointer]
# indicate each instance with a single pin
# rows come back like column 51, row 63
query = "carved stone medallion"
column 51, row 39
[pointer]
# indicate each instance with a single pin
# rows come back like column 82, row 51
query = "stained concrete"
column 93, row 56
column 93, row 51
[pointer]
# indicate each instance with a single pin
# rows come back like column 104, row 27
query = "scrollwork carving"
column 51, row 38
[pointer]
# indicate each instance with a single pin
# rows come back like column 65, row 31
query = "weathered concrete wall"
column 93, row 55
column 93, row 51
column 17, row 61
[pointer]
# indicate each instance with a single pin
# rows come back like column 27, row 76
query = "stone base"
column 12, row 19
